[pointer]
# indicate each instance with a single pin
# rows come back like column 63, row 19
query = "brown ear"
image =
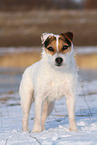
column 68, row 35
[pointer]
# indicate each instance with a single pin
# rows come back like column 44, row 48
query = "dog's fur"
column 53, row 77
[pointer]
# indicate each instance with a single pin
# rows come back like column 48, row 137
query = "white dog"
column 53, row 77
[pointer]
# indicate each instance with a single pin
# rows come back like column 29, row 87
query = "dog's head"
column 58, row 48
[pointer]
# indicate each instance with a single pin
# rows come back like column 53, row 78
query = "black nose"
column 58, row 61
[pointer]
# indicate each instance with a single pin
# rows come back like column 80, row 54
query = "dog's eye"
column 64, row 47
column 50, row 48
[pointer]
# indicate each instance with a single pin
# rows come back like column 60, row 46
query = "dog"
column 49, row 79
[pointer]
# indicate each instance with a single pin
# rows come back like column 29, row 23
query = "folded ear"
column 44, row 36
column 68, row 35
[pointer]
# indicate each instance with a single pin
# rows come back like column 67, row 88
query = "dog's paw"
column 36, row 130
column 25, row 129
column 74, row 129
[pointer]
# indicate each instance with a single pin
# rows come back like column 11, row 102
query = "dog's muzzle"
column 59, row 61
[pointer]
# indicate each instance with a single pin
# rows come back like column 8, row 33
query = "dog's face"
column 58, row 48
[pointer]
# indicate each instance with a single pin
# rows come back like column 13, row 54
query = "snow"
column 11, row 50
column 86, row 50
column 78, row 50
column 57, row 126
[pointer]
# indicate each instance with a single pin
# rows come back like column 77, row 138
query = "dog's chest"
column 57, row 87
column 53, row 84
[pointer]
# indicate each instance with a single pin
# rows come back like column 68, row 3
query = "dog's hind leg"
column 47, row 109
column 26, row 101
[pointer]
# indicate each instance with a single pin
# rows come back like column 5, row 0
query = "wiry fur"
column 44, row 82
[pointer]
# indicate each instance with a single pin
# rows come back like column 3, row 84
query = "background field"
column 25, row 28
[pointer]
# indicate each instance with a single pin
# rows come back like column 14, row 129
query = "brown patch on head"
column 68, row 35
column 50, row 45
column 64, row 45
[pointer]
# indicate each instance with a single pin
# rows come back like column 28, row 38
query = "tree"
column 91, row 4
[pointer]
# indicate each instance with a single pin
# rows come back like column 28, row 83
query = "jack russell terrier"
column 51, row 78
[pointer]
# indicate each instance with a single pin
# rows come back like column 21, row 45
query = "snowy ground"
column 78, row 50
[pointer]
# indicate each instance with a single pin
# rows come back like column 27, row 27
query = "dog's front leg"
column 47, row 109
column 70, row 102
column 38, row 113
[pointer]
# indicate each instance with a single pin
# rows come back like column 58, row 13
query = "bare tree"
column 39, row 4
column 91, row 4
